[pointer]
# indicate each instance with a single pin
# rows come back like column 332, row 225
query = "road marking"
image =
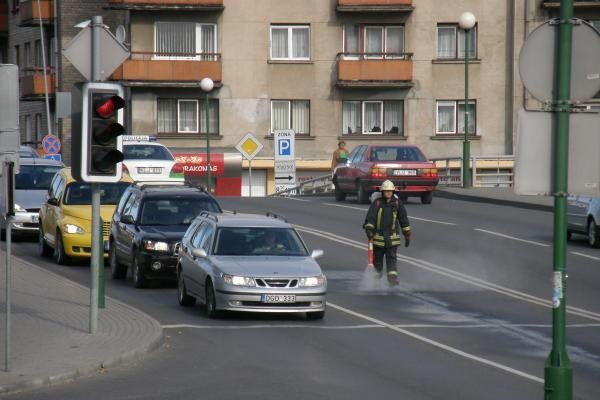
column 295, row 199
column 402, row 326
column 512, row 237
column 437, row 344
column 410, row 217
column 268, row 326
column 585, row 255
column 422, row 264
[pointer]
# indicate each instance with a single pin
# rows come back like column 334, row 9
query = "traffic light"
column 96, row 132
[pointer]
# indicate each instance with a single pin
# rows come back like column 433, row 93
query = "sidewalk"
column 50, row 340
column 500, row 196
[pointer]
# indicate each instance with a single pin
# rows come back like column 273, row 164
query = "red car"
column 369, row 165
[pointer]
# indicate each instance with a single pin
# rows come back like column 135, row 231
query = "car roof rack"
column 276, row 216
column 209, row 214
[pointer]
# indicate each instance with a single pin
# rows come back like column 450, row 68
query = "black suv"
column 148, row 225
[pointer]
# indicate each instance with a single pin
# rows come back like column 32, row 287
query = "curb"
column 501, row 202
column 95, row 366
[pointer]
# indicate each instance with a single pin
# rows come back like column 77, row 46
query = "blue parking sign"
column 56, row 157
column 285, row 147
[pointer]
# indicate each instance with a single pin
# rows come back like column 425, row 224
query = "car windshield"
column 259, row 242
column 396, row 154
column 79, row 193
column 179, row 210
column 146, row 152
column 35, row 177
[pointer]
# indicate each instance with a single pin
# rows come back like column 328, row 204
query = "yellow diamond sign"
column 249, row 146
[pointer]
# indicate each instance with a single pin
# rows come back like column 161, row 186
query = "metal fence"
column 318, row 185
column 487, row 171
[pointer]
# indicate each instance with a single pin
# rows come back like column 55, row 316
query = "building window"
column 27, row 61
column 373, row 117
column 373, row 41
column 290, row 42
column 38, row 53
column 291, row 114
column 18, row 55
column 38, row 128
column 451, row 117
column 185, row 41
column 187, row 116
column 28, row 134
column 451, row 42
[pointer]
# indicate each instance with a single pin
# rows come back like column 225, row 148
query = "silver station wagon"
column 246, row 262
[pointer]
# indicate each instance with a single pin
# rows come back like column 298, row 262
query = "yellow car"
column 66, row 217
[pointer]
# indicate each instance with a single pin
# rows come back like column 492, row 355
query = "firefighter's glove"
column 370, row 233
column 406, row 238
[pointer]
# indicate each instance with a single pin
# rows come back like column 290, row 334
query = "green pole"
column 466, row 178
column 208, row 173
column 101, row 300
column 558, row 373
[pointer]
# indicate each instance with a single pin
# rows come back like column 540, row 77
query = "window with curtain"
column 451, row 42
column 27, row 61
column 394, row 42
column 187, row 116
column 377, row 117
column 167, row 115
column 351, row 39
column 185, row 40
column 291, row 114
column 213, row 116
column 451, row 117
column 38, row 128
column 374, row 41
column 290, row 42
column 38, row 54
column 28, row 133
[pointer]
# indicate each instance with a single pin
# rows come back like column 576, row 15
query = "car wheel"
column 182, row 295
column 339, row 195
column 43, row 249
column 59, row 251
column 117, row 270
column 427, row 197
column 593, row 234
column 211, row 301
column 315, row 315
column 139, row 280
column 362, row 197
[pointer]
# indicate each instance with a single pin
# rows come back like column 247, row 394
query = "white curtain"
column 207, row 37
column 393, row 116
column 472, row 43
column 351, row 117
column 167, row 115
column 372, row 117
column 461, row 117
column 279, row 43
column 352, row 41
column 445, row 117
column 179, row 38
column 280, row 115
column 395, row 40
column 374, row 40
column 300, row 42
column 446, row 42
column 301, row 116
column 213, row 116
column 188, row 116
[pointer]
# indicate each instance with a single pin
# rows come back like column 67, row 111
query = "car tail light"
column 378, row 172
column 177, row 169
column 429, row 172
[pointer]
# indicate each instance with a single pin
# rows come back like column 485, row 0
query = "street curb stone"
column 440, row 192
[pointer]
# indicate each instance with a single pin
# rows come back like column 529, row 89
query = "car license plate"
column 35, row 219
column 278, row 298
column 405, row 172
column 149, row 170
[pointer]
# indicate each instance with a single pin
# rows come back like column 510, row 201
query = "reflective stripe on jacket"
column 386, row 219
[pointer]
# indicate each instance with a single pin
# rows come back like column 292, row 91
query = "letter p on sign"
column 284, row 147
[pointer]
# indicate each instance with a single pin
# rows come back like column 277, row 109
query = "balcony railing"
column 152, row 67
column 375, row 70
column 29, row 12
column 166, row 4
column 375, row 5
column 32, row 83
column 577, row 4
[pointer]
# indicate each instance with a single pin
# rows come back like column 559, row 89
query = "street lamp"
column 207, row 85
column 466, row 22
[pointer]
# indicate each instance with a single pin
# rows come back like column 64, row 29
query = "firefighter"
column 385, row 218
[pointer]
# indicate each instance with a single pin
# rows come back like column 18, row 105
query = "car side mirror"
column 317, row 254
column 127, row 219
column 52, row 201
column 201, row 253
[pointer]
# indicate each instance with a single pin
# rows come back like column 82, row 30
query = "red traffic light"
column 106, row 106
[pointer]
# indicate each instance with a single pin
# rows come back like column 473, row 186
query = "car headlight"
column 311, row 281
column 156, row 246
column 70, row 228
column 18, row 208
column 238, row 280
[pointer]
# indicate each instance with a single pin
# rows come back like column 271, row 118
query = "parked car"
column 369, row 165
column 583, row 217
column 150, row 161
column 147, row 225
column 251, row 263
column 31, row 186
column 27, row 152
column 66, row 216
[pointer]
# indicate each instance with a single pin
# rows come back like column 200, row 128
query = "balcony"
column 375, row 5
column 29, row 12
column 161, row 5
column 591, row 4
column 171, row 70
column 32, row 84
column 378, row 70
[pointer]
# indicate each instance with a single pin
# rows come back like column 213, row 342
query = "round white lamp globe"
column 207, row 84
column 467, row 21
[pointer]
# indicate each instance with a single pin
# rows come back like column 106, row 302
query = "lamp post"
column 466, row 22
column 207, row 86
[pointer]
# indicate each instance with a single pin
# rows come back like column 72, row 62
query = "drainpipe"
column 525, row 33
column 510, row 77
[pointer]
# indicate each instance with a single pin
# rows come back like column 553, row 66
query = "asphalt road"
column 470, row 319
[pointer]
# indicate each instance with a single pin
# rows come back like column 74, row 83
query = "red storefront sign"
column 195, row 164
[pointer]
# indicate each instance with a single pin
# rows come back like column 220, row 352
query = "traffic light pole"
column 558, row 373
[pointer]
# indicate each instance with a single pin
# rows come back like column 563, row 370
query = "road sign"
column 79, row 52
column 249, row 146
column 55, row 157
column 285, row 159
column 284, row 144
column 51, row 144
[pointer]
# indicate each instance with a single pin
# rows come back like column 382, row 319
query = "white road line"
column 347, row 327
column 512, row 237
column 439, row 345
column 410, row 217
column 585, row 255
column 268, row 326
column 295, row 199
